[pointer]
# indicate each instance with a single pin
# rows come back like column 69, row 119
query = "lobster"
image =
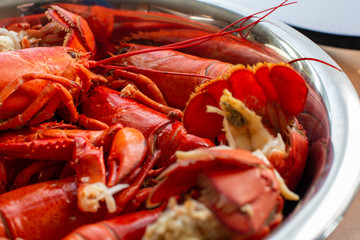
column 69, row 78
column 287, row 150
column 32, row 89
column 43, row 142
column 54, row 200
column 274, row 91
column 109, row 106
column 32, row 94
column 111, row 26
column 207, row 174
column 129, row 226
column 125, row 147
column 125, row 151
column 168, row 69
column 40, row 98
column 168, row 61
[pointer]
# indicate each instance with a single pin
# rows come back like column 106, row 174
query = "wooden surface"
column 349, row 61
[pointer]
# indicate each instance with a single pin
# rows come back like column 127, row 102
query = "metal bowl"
column 331, row 177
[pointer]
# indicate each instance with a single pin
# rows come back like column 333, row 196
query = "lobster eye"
column 123, row 49
column 73, row 54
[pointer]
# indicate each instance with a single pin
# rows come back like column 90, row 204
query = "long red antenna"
column 316, row 60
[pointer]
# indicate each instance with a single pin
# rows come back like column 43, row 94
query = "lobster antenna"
column 316, row 60
column 270, row 11
column 193, row 41
column 154, row 71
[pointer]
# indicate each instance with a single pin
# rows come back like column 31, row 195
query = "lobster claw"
column 254, row 209
column 79, row 35
column 126, row 226
column 128, row 150
column 250, row 210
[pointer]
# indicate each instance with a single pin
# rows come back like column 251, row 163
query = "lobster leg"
column 41, row 149
column 57, row 85
column 44, row 97
column 52, row 141
column 23, row 178
column 90, row 123
column 3, row 175
column 14, row 85
column 143, row 83
column 138, row 199
column 125, row 197
column 46, row 113
column 130, row 92
column 47, row 93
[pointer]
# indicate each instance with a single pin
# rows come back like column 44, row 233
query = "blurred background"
column 329, row 22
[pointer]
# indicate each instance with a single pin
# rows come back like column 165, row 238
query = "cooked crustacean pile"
column 127, row 125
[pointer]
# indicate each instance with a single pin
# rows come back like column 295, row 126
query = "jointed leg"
column 44, row 98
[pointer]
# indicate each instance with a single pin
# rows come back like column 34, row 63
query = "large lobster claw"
column 79, row 34
column 239, row 188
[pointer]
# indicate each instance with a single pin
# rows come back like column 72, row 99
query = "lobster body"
column 18, row 22
column 29, row 84
column 55, row 201
column 174, row 61
column 51, row 141
column 111, row 26
column 21, row 63
column 109, row 106
column 228, row 48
